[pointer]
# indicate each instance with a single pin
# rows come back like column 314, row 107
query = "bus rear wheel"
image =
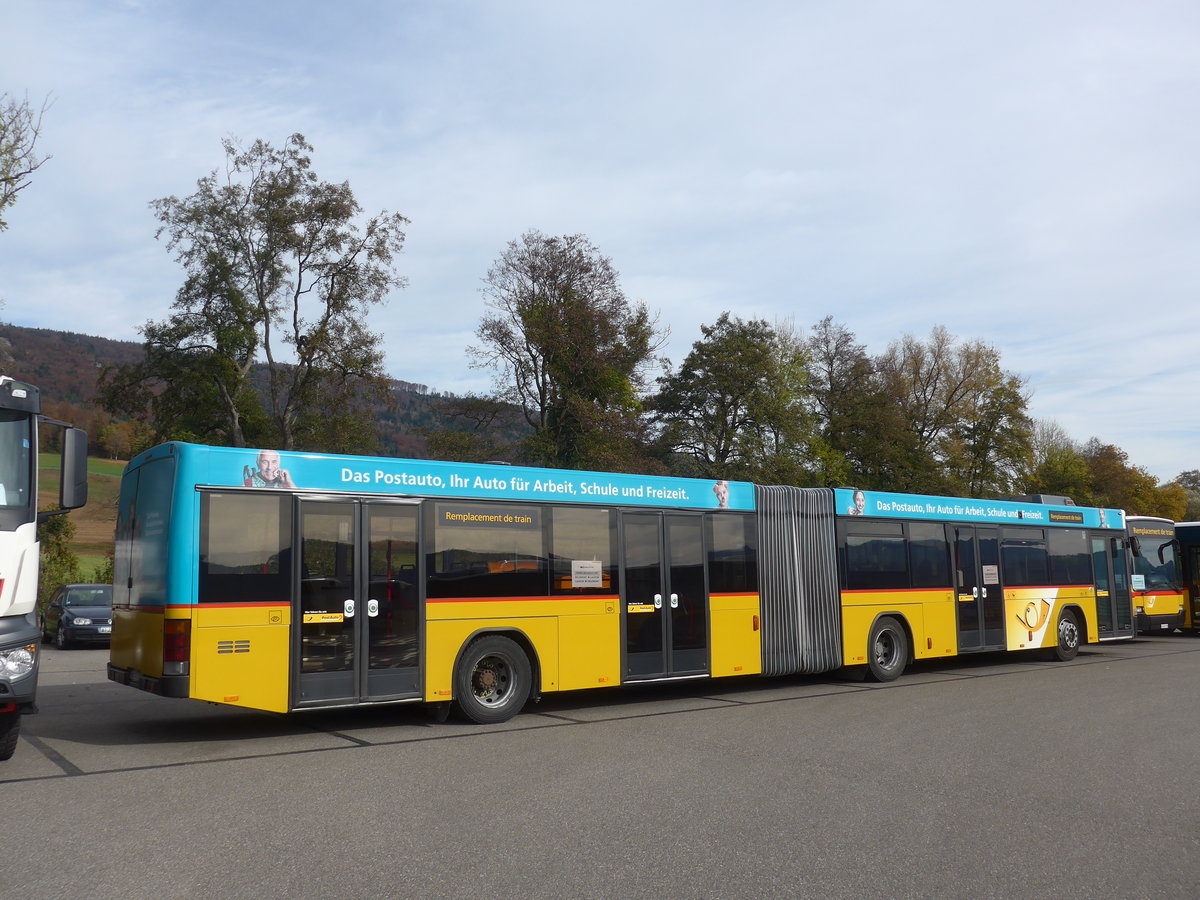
column 492, row 680
column 887, row 649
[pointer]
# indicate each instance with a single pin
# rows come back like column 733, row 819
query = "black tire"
column 45, row 634
column 1069, row 637
column 10, row 730
column 60, row 639
column 887, row 650
column 492, row 680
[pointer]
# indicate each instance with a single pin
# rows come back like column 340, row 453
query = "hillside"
column 66, row 366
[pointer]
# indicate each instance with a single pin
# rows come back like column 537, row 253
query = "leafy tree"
column 1190, row 482
column 20, row 128
column 737, row 406
column 1119, row 483
column 966, row 413
column 870, row 442
column 280, row 278
column 570, row 350
column 479, row 429
column 1056, row 465
column 103, row 573
column 59, row 565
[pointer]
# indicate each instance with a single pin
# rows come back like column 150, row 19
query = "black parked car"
column 79, row 614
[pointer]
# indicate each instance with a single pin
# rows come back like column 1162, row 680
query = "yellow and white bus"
column 1158, row 600
column 293, row 581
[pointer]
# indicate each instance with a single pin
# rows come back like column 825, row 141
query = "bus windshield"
column 15, row 469
column 1154, row 559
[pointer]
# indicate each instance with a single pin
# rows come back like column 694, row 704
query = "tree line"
column 265, row 344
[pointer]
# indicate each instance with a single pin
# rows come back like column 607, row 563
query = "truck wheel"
column 10, row 730
column 492, row 680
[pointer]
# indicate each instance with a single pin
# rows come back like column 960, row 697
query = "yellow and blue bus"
column 1187, row 536
column 1158, row 599
column 293, row 581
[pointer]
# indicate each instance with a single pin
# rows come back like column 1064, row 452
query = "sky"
column 1025, row 173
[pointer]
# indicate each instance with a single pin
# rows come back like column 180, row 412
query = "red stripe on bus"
column 941, row 590
column 521, row 599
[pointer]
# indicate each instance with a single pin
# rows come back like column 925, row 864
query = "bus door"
column 1114, row 605
column 979, row 592
column 665, row 619
column 358, row 605
column 1191, row 584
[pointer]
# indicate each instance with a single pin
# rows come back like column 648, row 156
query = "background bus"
column 1157, row 590
column 314, row 580
column 1187, row 536
column 20, row 636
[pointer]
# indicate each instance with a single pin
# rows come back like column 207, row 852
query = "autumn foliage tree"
column 281, row 272
column 737, row 407
column 568, row 349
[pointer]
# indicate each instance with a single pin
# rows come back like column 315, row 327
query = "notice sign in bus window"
column 1064, row 517
column 587, row 573
column 490, row 516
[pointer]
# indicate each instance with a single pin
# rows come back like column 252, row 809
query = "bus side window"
column 930, row 555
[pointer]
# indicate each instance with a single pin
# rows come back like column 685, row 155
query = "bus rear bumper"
column 166, row 686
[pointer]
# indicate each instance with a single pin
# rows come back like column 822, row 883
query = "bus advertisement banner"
column 227, row 466
column 850, row 502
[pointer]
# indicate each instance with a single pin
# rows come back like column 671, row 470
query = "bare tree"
column 20, row 128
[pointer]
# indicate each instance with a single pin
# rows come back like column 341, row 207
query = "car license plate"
column 106, row 629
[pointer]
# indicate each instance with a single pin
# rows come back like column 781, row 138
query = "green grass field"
column 95, row 523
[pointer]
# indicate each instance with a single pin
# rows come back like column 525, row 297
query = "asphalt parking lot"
column 997, row 776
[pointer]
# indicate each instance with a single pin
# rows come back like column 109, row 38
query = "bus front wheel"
column 10, row 730
column 887, row 649
column 1068, row 637
column 492, row 680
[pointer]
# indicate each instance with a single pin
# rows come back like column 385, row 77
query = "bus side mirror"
column 74, row 487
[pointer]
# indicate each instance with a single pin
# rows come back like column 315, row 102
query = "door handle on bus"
column 674, row 601
column 984, row 593
column 975, row 592
column 658, row 601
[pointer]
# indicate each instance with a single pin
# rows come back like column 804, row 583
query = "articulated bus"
column 1157, row 591
column 1187, row 536
column 294, row 581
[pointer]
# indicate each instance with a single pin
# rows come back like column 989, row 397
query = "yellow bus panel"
column 241, row 656
column 1031, row 614
column 736, row 635
column 589, row 651
column 444, row 638
column 930, row 616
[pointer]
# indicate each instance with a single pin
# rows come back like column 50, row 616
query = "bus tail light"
column 177, row 646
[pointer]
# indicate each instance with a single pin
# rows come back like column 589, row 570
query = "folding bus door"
column 1114, row 605
column 665, row 616
column 979, row 592
column 358, row 610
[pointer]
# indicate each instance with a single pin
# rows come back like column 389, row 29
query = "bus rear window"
column 245, row 548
